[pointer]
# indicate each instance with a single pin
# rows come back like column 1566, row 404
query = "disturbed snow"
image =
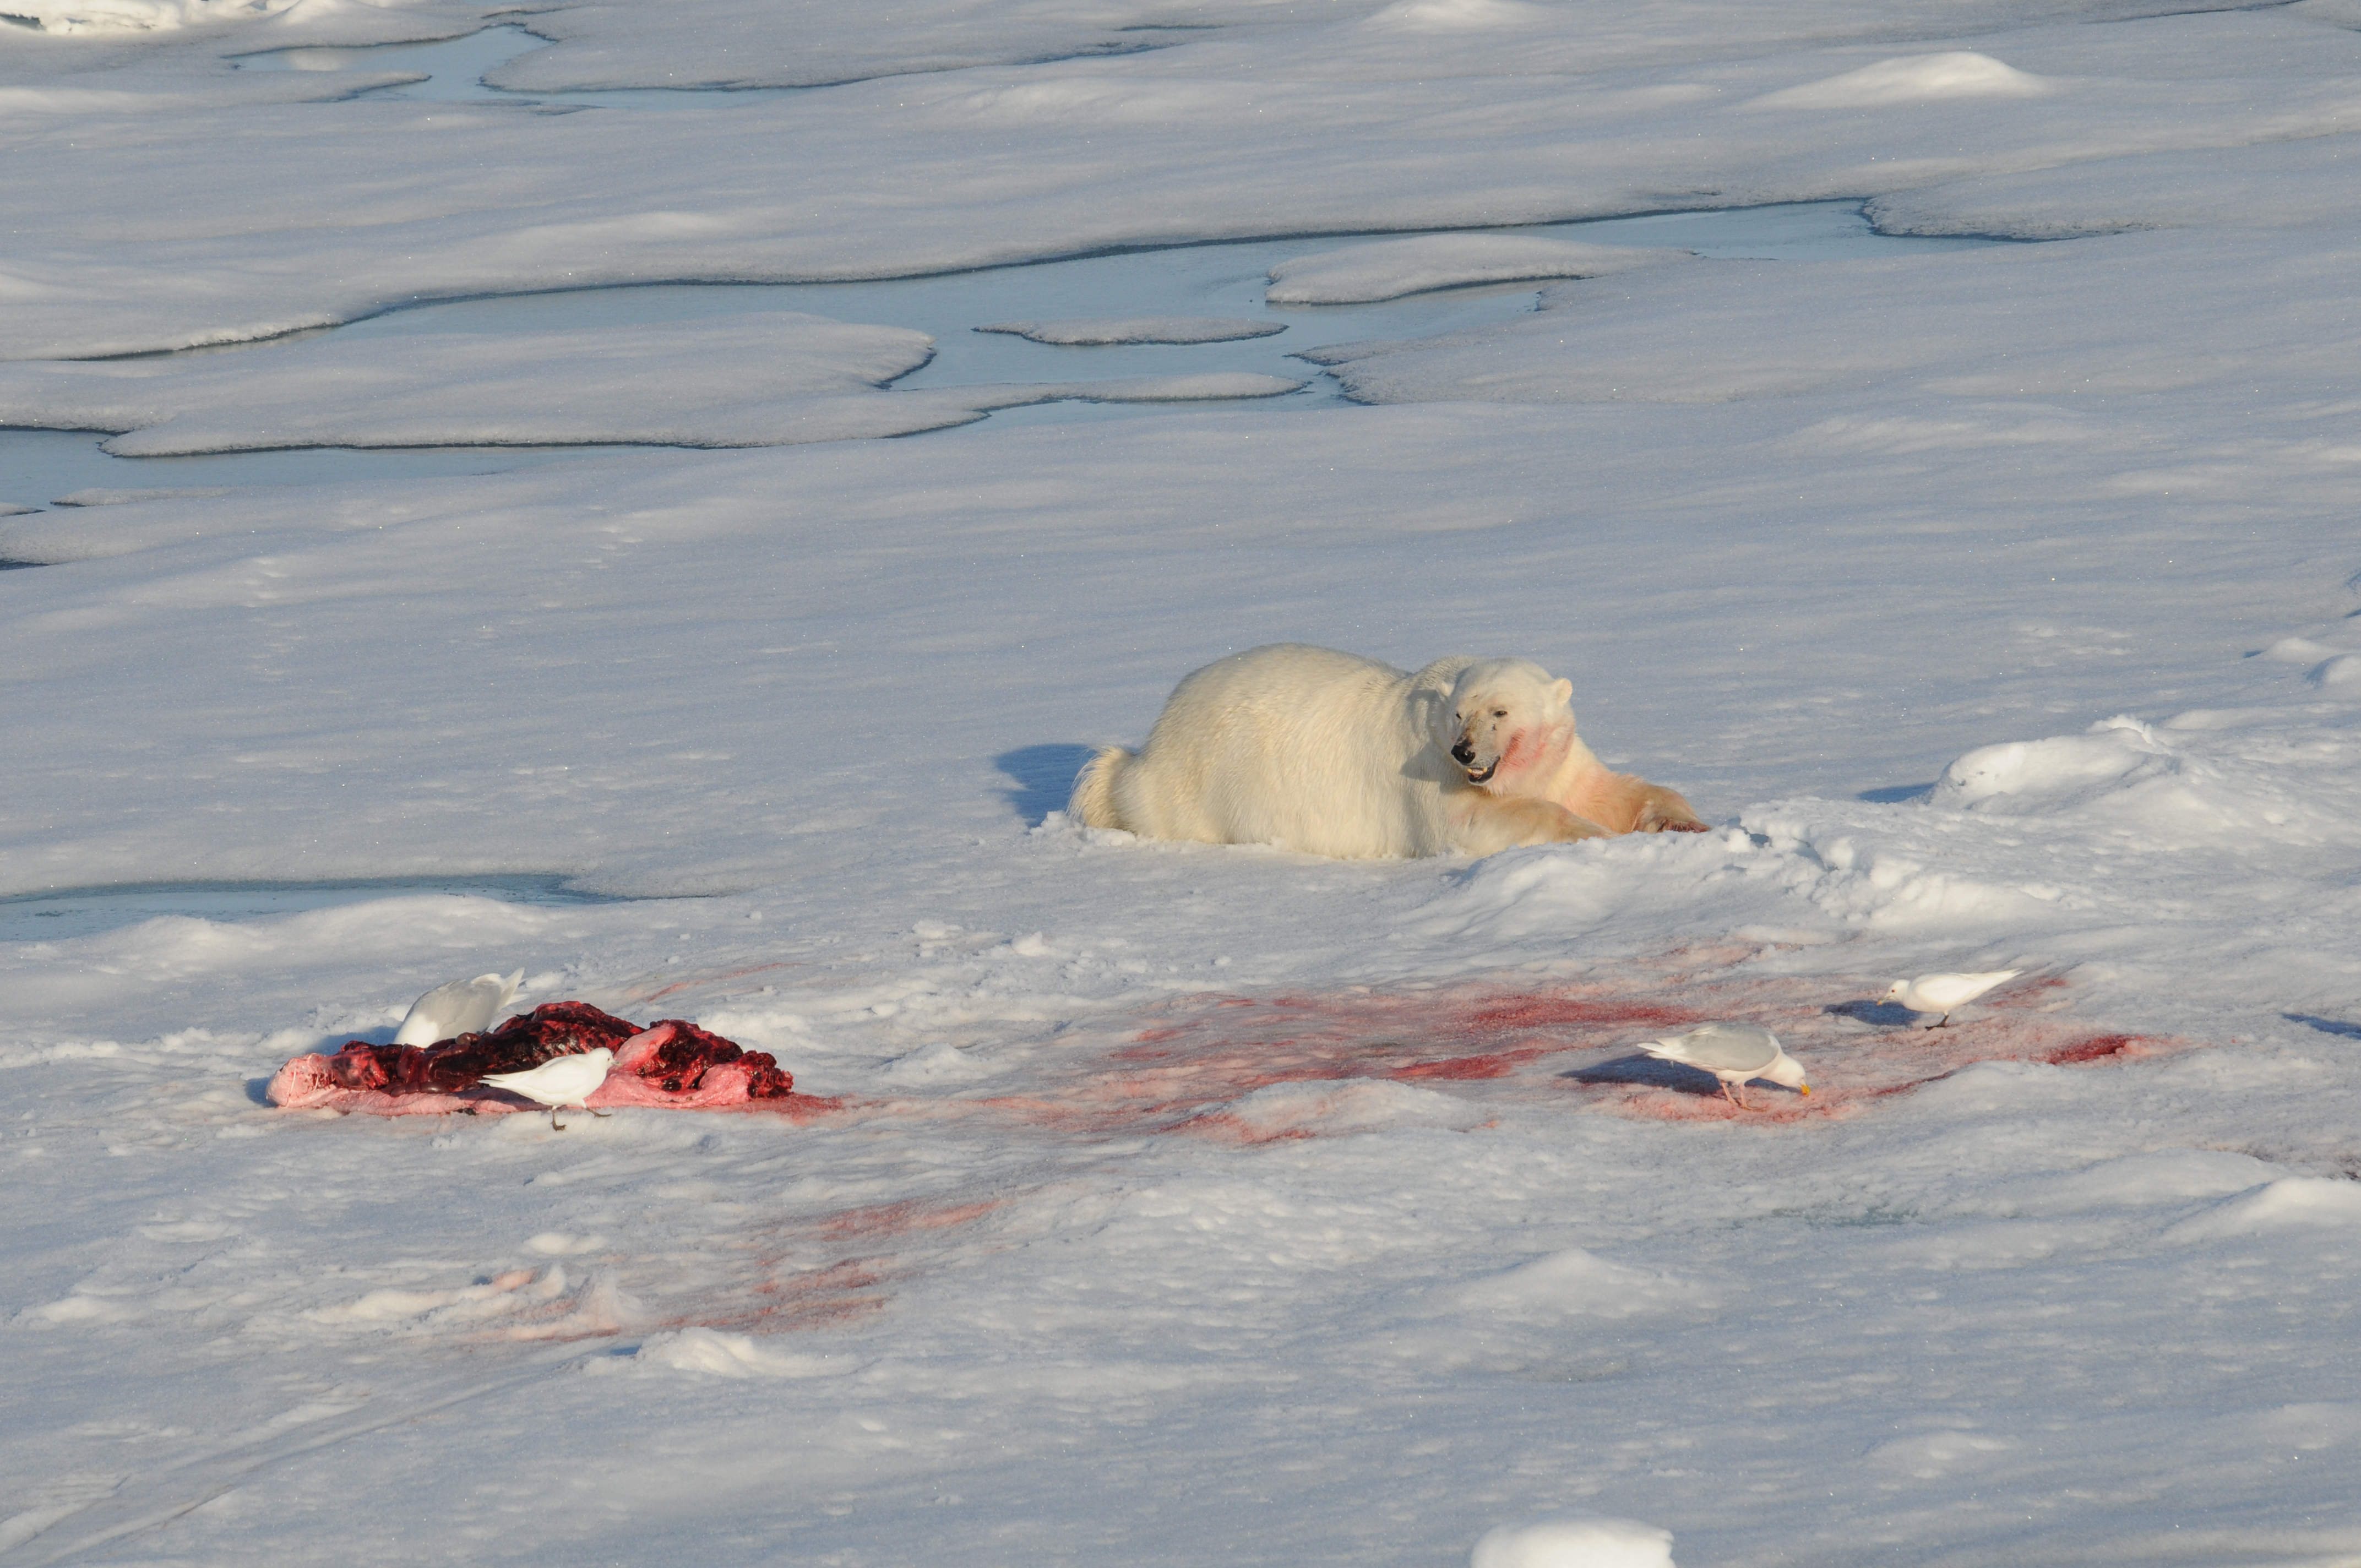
column 1190, row 1204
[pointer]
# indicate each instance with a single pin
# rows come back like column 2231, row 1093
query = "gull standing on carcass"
column 1942, row 993
column 462, row 1007
column 1732, row 1053
column 560, row 1081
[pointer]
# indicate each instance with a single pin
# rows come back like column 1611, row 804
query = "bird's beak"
column 1802, row 1089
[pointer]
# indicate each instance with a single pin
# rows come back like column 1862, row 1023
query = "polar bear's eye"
column 1499, row 713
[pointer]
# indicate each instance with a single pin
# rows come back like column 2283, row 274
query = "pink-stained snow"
column 1174, row 1204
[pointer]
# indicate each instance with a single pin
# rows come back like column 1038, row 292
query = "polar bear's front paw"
column 1659, row 816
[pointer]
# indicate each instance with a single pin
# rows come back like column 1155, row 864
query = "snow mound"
column 2340, row 674
column 2293, row 1201
column 1574, row 1541
column 941, row 1062
column 2134, row 1181
column 722, row 1354
column 1913, row 79
column 1389, row 269
column 2182, row 787
column 144, row 15
column 1333, row 1108
column 1139, row 329
column 1575, row 1283
column 2022, row 775
column 10, row 508
column 1455, row 16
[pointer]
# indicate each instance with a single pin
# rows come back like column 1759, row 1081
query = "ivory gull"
column 1942, row 993
column 559, row 1081
column 1732, row 1053
column 462, row 1007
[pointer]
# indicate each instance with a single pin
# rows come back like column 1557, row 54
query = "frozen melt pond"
column 1223, row 281
column 452, row 71
column 83, row 912
column 1226, row 282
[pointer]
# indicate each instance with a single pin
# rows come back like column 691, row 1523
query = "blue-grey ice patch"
column 104, row 496
column 1101, row 332
column 1389, row 269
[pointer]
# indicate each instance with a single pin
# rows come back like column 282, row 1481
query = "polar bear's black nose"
column 1464, row 752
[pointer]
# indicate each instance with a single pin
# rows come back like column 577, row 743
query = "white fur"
column 1329, row 753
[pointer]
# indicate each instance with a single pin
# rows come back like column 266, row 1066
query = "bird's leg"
column 554, row 1125
column 1938, row 1022
column 1734, row 1099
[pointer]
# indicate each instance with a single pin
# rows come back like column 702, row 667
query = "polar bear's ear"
column 1561, row 692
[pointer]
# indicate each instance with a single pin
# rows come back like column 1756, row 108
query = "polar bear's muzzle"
column 1464, row 754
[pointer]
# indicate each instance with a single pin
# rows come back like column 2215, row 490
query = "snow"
column 2000, row 606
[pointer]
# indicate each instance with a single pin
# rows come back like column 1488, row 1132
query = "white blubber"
column 1574, row 1541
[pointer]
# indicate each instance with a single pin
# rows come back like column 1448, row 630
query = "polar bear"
column 1330, row 753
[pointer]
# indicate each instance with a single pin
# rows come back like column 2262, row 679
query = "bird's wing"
column 427, row 1020
column 1951, row 990
column 1743, row 1048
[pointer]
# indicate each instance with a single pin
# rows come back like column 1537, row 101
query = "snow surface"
column 2002, row 607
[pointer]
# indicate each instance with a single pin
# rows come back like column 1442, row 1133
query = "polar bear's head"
column 1509, row 725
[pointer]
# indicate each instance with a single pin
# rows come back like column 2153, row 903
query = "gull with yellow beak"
column 1733, row 1053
